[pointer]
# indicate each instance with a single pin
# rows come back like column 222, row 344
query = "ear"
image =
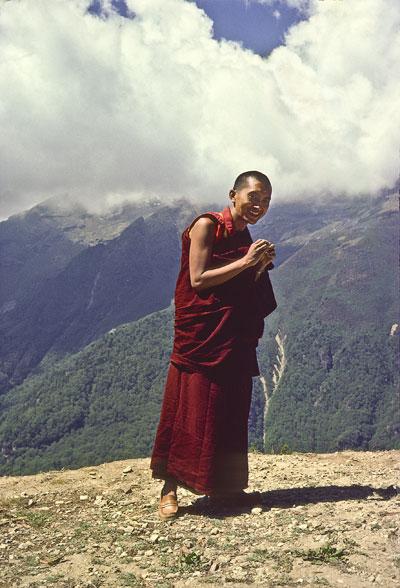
column 232, row 194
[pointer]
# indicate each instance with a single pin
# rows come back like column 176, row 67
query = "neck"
column 238, row 222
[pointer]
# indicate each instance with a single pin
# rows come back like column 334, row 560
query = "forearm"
column 214, row 276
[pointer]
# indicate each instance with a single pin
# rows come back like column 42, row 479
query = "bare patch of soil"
column 320, row 520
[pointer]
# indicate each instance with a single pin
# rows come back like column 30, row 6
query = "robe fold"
column 201, row 439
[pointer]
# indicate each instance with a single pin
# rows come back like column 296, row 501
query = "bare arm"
column 202, row 274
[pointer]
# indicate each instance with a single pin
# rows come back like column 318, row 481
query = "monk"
column 222, row 296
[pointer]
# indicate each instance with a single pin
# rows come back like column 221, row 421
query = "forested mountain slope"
column 63, row 293
column 330, row 353
column 328, row 357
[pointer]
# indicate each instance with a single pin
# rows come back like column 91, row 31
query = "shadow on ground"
column 287, row 498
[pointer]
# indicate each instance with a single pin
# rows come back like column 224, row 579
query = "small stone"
column 128, row 530
column 83, row 497
column 256, row 510
column 154, row 537
column 214, row 567
column 149, row 552
column 214, row 531
column 127, row 470
column 25, row 545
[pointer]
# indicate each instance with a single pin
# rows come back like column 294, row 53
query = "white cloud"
column 103, row 109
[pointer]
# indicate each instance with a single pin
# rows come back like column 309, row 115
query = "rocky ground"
column 322, row 520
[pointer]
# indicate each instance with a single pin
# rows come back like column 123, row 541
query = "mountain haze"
column 327, row 358
column 69, row 291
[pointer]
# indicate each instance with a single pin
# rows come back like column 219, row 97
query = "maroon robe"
column 201, row 438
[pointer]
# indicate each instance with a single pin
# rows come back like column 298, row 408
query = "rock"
column 127, row 470
column 128, row 530
column 256, row 510
column 83, row 497
column 154, row 537
column 26, row 545
column 214, row 567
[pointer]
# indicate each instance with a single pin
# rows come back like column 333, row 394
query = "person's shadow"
column 287, row 498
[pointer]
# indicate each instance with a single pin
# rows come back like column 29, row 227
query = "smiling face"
column 251, row 202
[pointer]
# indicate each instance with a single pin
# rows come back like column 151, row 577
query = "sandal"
column 168, row 507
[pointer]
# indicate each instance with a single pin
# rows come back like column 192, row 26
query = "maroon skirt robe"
column 202, row 436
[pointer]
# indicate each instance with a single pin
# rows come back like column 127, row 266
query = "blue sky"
column 258, row 27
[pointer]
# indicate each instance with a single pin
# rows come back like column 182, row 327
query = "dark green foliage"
column 337, row 302
column 98, row 405
column 256, row 420
column 336, row 286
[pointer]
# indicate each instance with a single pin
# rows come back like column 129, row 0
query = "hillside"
column 62, row 292
column 101, row 403
column 320, row 520
column 328, row 357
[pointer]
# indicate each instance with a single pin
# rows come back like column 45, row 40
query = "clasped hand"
column 265, row 259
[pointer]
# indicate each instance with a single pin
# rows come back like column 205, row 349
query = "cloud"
column 103, row 109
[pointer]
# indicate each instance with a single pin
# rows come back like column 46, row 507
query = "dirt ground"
column 321, row 520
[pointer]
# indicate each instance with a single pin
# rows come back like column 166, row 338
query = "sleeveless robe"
column 201, row 439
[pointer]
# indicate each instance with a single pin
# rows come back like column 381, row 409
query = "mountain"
column 61, row 292
column 98, row 404
column 327, row 358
